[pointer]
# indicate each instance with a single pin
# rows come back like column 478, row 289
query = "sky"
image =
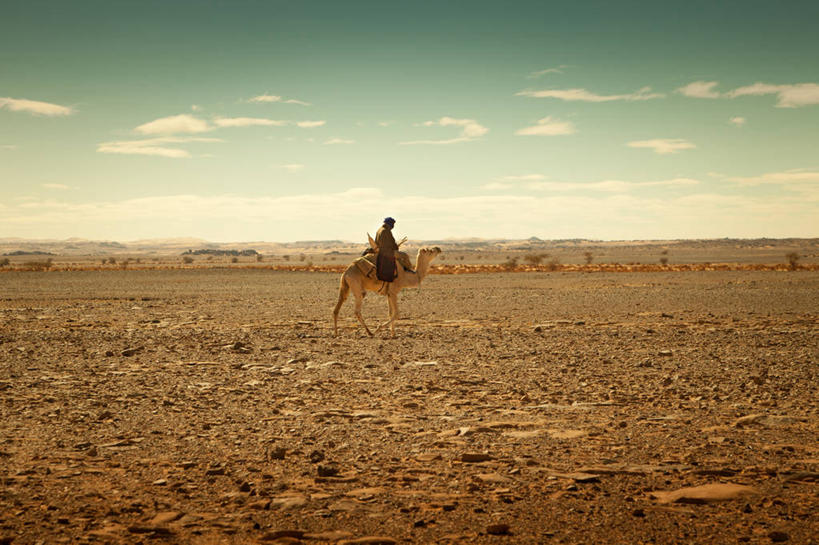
column 313, row 120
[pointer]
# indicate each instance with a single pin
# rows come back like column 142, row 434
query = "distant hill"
column 176, row 246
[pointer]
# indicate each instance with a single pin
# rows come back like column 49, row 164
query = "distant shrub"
column 302, row 257
column 259, row 258
column 4, row 262
column 664, row 252
column 589, row 257
column 112, row 260
column 39, row 265
column 793, row 260
column 553, row 264
column 286, row 257
column 510, row 263
column 664, row 261
column 187, row 260
column 534, row 259
column 234, row 260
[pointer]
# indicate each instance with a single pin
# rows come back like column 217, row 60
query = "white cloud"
column 587, row 96
column 700, row 89
column 276, row 98
column 548, row 127
column 153, row 146
column 9, row 146
column 56, row 186
column 537, row 74
column 339, row 141
column 384, row 123
column 793, row 95
column 247, row 122
column 738, row 121
column 534, row 182
column 292, row 167
column 235, row 218
column 470, row 130
column 795, row 179
column 663, row 145
column 175, row 124
column 196, row 107
column 34, row 106
column 310, row 124
column 788, row 96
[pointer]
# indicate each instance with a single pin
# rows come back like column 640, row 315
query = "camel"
column 356, row 281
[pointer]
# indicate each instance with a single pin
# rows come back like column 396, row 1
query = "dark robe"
column 386, row 270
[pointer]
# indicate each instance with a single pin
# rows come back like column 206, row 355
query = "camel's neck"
column 422, row 266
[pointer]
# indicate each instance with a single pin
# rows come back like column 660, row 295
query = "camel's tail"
column 343, row 292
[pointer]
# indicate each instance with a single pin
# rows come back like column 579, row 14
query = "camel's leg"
column 393, row 312
column 343, row 291
column 359, row 298
column 392, row 299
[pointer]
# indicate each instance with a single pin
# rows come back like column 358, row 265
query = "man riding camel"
column 386, row 270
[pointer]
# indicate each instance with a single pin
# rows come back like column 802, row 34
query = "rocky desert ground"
column 215, row 406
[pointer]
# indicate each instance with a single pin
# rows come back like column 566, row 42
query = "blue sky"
column 280, row 121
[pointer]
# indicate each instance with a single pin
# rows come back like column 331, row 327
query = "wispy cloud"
column 153, row 146
column 470, row 130
column 9, row 146
column 310, row 124
column 738, row 121
column 248, row 122
column 793, row 95
column 663, row 145
column 700, row 89
column 175, row 124
column 535, row 183
column 548, row 127
column 587, row 96
column 537, row 74
column 56, row 186
column 292, row 167
column 275, row 98
column 793, row 178
column 332, row 141
column 34, row 107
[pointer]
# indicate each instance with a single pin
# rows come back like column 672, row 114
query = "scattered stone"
column 475, row 457
column 277, row 453
column 493, row 478
column 369, row 540
column 316, row 456
column 215, row 471
column 327, row 471
column 159, row 530
column 128, row 352
column 666, row 353
column 278, row 534
column 778, row 536
column 706, row 493
column 498, row 529
column 331, row 535
column 160, row 482
column 165, row 517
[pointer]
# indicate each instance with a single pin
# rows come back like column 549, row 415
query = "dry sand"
column 202, row 406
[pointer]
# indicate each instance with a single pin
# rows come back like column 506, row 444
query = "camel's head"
column 429, row 252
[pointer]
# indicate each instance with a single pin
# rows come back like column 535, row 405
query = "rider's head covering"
column 389, row 221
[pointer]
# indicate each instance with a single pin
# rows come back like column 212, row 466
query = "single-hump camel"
column 353, row 279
